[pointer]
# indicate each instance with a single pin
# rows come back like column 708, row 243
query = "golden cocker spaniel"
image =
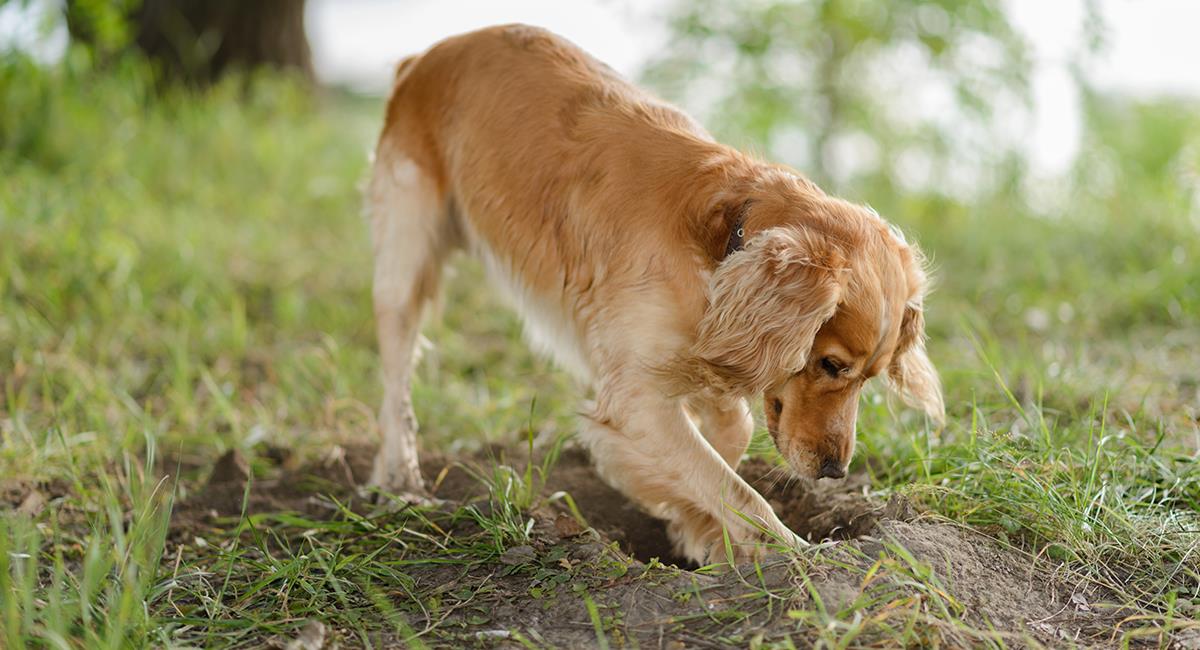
column 674, row 275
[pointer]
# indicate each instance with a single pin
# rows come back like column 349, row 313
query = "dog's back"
column 519, row 108
column 554, row 171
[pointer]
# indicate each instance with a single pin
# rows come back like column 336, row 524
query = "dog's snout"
column 832, row 469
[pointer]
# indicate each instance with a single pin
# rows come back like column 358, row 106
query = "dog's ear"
column 910, row 373
column 765, row 305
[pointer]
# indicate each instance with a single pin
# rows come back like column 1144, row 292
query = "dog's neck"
column 721, row 200
column 729, row 219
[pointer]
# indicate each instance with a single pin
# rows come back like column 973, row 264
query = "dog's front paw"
column 391, row 474
column 397, row 501
column 693, row 537
column 702, row 539
column 399, row 489
column 388, row 500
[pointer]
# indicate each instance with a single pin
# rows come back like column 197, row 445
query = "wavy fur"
column 765, row 305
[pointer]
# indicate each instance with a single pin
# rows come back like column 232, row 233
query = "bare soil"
column 1026, row 602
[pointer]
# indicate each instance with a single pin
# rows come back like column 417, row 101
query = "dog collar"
column 736, row 236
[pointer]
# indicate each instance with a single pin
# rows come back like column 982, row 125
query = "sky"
column 358, row 41
column 1152, row 48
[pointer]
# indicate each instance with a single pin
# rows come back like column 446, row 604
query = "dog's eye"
column 778, row 406
column 831, row 366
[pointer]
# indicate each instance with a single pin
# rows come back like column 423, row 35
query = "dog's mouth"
column 795, row 459
column 803, row 459
column 805, row 462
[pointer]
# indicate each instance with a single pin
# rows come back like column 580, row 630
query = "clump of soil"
column 995, row 588
column 815, row 510
column 29, row 498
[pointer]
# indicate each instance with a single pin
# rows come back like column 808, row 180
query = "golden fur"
column 604, row 214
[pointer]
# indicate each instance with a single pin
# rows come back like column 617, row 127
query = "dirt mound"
column 976, row 579
column 995, row 586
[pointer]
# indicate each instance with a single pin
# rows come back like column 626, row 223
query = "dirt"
column 988, row 585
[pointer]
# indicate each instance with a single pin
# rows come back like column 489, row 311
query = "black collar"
column 736, row 235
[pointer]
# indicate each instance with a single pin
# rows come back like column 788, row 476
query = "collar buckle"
column 737, row 235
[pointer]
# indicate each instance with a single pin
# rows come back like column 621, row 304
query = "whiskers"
column 773, row 477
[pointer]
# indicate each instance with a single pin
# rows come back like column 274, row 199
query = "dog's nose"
column 832, row 469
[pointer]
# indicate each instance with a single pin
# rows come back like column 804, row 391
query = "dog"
column 675, row 276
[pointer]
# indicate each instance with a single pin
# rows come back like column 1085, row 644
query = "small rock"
column 518, row 555
column 32, row 504
column 899, row 508
column 1186, row 640
column 310, row 637
column 566, row 526
column 231, row 468
column 279, row 455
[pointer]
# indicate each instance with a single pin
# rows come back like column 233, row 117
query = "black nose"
column 832, row 469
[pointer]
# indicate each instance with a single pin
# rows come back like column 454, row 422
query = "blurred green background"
column 168, row 222
column 184, row 267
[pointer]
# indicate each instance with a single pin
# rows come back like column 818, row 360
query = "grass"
column 187, row 274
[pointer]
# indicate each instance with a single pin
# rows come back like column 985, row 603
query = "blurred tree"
column 809, row 79
column 1140, row 156
column 196, row 40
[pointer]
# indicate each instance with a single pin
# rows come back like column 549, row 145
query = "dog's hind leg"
column 412, row 233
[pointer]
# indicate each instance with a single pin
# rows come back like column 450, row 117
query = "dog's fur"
column 608, row 218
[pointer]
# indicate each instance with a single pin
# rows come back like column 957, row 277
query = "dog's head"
column 817, row 301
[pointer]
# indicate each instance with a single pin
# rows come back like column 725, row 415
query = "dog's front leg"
column 647, row 447
column 727, row 425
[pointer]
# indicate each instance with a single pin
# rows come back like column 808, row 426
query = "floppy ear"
column 765, row 305
column 911, row 374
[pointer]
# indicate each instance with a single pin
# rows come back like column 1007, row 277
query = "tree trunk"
column 196, row 41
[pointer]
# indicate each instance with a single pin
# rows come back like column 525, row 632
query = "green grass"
column 185, row 274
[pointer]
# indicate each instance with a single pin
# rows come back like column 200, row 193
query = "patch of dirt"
column 29, row 498
column 986, row 584
column 308, row 488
